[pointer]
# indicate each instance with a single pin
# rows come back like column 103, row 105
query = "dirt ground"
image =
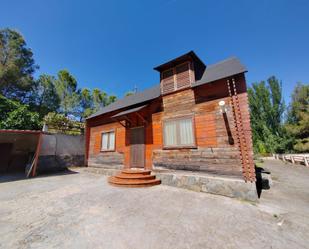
column 80, row 210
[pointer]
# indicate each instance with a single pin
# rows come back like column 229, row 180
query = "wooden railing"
column 294, row 158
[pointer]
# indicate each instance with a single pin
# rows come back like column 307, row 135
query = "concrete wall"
column 58, row 151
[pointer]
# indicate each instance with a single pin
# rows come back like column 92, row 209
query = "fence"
column 294, row 158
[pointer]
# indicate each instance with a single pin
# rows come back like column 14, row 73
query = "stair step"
column 133, row 183
column 135, row 177
column 136, row 171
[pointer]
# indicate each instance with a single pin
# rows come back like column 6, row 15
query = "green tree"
column 46, row 98
column 298, row 118
column 111, row 99
column 57, row 122
column 266, row 110
column 86, row 103
column 100, row 99
column 14, row 115
column 66, row 87
column 129, row 93
column 16, row 66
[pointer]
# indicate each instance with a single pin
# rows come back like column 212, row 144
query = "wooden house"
column 196, row 119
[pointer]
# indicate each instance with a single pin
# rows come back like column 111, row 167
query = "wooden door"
column 137, row 147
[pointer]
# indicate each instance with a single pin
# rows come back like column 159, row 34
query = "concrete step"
column 136, row 171
column 133, row 183
column 134, row 178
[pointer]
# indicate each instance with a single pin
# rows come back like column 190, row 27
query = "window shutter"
column 183, row 76
column 167, row 81
column 178, row 77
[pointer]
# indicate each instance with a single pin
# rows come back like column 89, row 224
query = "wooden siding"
column 110, row 158
column 214, row 152
column 217, row 149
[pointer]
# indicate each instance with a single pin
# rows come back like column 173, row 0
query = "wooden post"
column 38, row 149
column 87, row 143
column 306, row 161
column 292, row 159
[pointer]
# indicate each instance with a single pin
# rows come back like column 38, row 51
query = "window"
column 179, row 133
column 108, row 141
column 176, row 78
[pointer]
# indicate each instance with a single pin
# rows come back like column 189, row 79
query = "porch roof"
column 136, row 109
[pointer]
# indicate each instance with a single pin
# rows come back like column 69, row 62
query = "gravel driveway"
column 82, row 211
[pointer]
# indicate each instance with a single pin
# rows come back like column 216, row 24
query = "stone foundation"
column 106, row 160
column 230, row 187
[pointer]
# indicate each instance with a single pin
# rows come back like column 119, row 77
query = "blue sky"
column 114, row 45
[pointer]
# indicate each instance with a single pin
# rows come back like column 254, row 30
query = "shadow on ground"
column 261, row 183
column 10, row 177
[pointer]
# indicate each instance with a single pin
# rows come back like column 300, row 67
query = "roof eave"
column 175, row 61
column 201, row 82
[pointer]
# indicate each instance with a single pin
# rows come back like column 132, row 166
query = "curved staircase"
column 134, row 178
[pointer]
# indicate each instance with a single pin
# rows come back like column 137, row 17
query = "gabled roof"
column 185, row 57
column 221, row 70
column 137, row 98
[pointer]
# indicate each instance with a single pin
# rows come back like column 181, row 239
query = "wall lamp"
column 222, row 106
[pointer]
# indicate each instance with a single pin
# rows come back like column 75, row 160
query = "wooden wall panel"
column 205, row 126
column 215, row 133
column 96, row 156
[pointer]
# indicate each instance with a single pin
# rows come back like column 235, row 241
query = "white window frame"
column 178, row 145
column 109, row 147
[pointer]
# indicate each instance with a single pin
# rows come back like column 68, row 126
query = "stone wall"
column 106, row 160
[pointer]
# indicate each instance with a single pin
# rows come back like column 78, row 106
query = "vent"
column 167, row 81
column 183, row 76
column 176, row 78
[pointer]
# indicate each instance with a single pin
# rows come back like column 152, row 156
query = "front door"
column 137, row 147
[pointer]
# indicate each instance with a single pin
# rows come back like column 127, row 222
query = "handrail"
column 293, row 158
